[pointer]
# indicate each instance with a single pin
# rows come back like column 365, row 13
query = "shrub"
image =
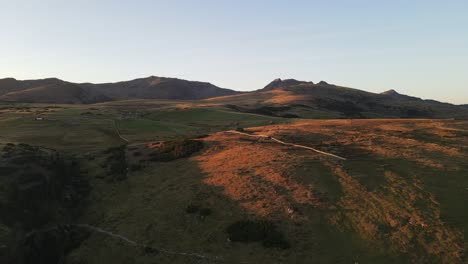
column 116, row 162
column 290, row 116
column 8, row 147
column 176, row 149
column 205, row 211
column 191, row 209
column 257, row 231
column 135, row 167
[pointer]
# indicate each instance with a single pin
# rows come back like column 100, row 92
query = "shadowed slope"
column 291, row 98
column 57, row 91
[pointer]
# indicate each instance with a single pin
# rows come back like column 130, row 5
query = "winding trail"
column 285, row 143
column 146, row 247
column 131, row 242
column 117, row 130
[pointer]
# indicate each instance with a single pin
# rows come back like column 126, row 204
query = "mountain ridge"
column 296, row 99
column 280, row 93
column 152, row 87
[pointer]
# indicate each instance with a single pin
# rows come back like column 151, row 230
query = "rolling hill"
column 54, row 90
column 166, row 181
column 292, row 98
column 281, row 98
column 47, row 91
column 158, row 88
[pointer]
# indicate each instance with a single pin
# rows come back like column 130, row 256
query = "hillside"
column 158, row 88
column 160, row 181
column 291, row 98
column 281, row 98
column 47, row 91
column 53, row 90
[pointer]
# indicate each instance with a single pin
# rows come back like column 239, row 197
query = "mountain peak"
column 391, row 92
column 8, row 79
column 53, row 90
column 277, row 83
column 323, row 83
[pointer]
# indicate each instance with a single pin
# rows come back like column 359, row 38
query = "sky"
column 418, row 48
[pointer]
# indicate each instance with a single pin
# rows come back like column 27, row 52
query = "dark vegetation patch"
column 50, row 245
column 449, row 188
column 352, row 151
column 328, row 189
column 192, row 209
column 136, row 167
column 368, row 172
column 311, row 139
column 425, row 135
column 266, row 232
column 205, row 211
column 348, row 108
column 414, row 112
column 195, row 209
column 39, row 188
column 116, row 163
column 289, row 116
column 276, row 111
column 176, row 149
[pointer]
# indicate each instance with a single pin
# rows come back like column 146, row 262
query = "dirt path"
column 129, row 241
column 286, row 144
column 145, row 247
column 117, row 130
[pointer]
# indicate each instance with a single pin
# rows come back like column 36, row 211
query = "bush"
column 191, row 209
column 290, row 116
column 205, row 211
column 176, row 149
column 8, row 147
column 257, row 231
column 135, row 167
column 116, row 162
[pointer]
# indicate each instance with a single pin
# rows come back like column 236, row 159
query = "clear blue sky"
column 415, row 47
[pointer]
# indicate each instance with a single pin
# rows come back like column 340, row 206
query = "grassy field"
column 396, row 199
column 80, row 128
column 399, row 197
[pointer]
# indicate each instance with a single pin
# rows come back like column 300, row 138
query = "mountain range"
column 277, row 98
column 292, row 98
column 53, row 90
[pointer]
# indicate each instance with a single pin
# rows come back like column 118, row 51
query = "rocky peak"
column 391, row 92
column 277, row 83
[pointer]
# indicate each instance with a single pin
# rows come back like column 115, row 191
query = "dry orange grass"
column 390, row 220
column 399, row 218
column 284, row 97
column 255, row 175
column 380, row 137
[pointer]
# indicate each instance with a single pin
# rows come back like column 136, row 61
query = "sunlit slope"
column 398, row 197
column 322, row 100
